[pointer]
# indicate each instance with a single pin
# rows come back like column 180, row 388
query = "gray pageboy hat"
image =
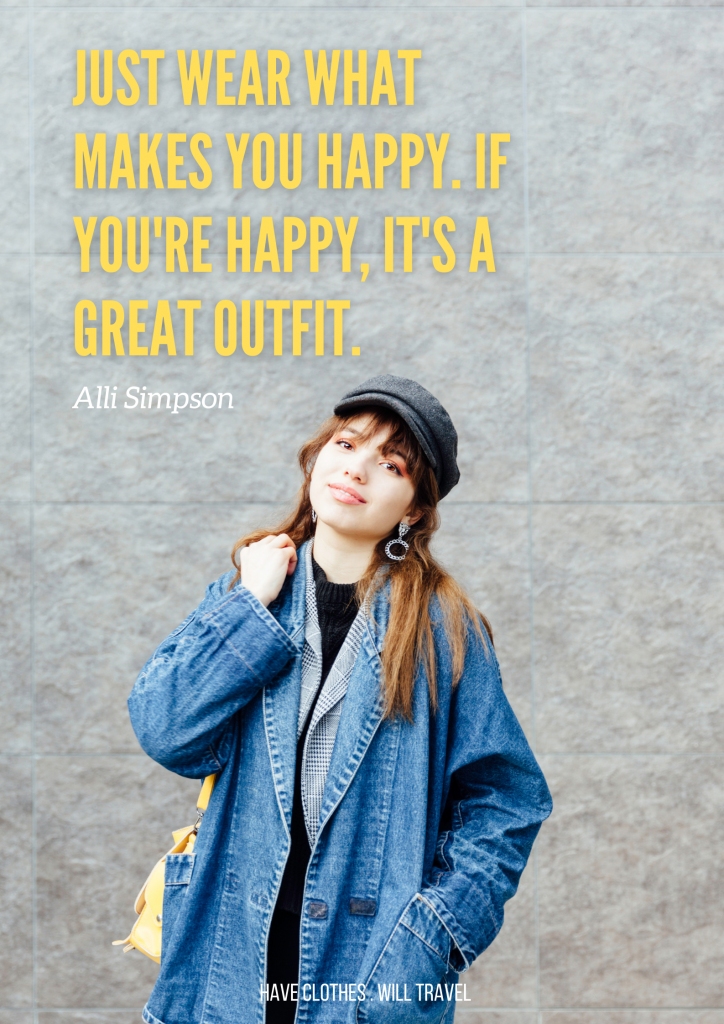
column 424, row 415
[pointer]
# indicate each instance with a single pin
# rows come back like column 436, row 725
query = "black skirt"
column 282, row 965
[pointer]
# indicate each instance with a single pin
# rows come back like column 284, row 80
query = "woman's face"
column 356, row 490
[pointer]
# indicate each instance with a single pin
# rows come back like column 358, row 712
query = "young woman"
column 376, row 800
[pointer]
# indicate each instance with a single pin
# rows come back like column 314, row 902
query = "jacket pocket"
column 177, row 875
column 408, row 981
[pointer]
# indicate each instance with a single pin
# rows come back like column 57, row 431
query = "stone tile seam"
column 666, row 503
column 530, row 481
column 517, row 254
column 327, row 8
column 711, row 755
column 618, row 7
column 371, row 7
column 472, row 1009
column 333, row 8
column 631, row 753
column 31, row 410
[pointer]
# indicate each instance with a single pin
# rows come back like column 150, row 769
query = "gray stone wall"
column 585, row 378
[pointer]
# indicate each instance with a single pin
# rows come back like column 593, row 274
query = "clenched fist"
column 266, row 564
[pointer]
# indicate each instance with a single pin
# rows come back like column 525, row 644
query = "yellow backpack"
column 146, row 932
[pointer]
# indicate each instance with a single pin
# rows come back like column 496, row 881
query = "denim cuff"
column 252, row 633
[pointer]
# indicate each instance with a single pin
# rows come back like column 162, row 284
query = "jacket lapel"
column 335, row 685
column 281, row 698
column 361, row 711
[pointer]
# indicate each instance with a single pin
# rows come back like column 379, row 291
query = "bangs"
column 400, row 440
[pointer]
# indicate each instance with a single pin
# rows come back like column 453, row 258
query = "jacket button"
column 366, row 907
column 317, row 908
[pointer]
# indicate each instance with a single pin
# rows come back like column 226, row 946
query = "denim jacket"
column 423, row 833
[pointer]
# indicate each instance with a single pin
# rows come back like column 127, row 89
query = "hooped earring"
column 403, row 529
column 314, row 516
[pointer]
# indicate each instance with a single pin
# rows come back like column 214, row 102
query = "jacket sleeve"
column 213, row 664
column 497, row 801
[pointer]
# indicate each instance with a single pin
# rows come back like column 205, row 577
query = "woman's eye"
column 392, row 466
column 345, row 443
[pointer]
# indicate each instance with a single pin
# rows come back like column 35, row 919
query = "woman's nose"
column 357, row 469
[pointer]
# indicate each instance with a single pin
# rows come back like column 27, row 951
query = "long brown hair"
column 414, row 580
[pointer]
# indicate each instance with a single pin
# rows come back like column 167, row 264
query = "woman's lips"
column 346, row 494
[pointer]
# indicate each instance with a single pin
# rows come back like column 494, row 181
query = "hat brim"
column 405, row 412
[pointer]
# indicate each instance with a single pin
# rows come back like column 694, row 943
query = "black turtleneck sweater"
column 336, row 609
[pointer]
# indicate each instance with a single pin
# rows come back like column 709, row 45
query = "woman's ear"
column 411, row 519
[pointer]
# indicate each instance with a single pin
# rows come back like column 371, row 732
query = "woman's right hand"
column 266, row 564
